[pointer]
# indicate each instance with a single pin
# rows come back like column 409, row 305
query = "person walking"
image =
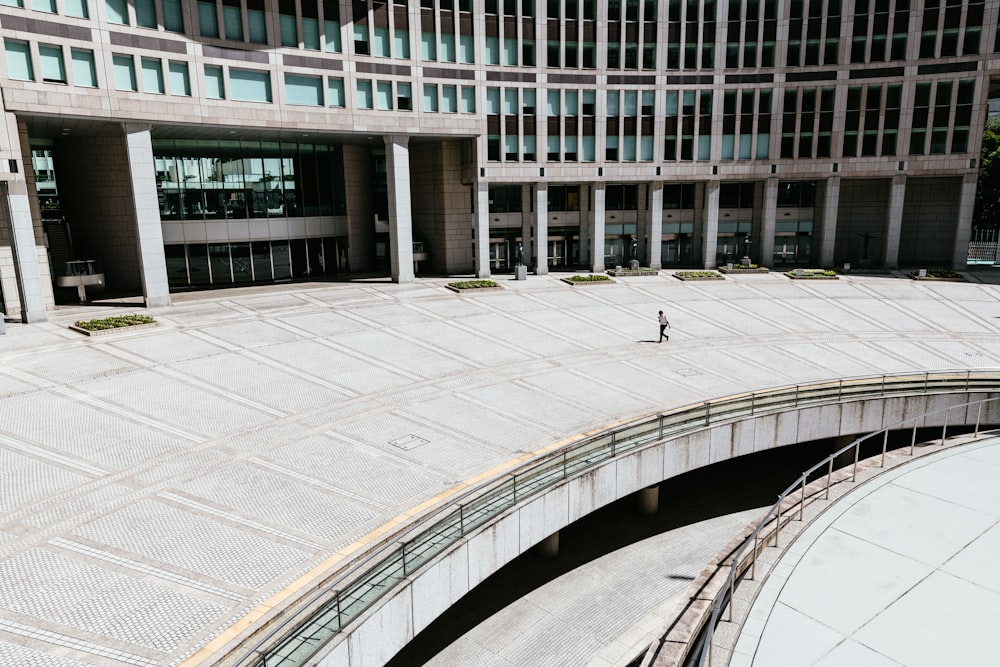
column 664, row 325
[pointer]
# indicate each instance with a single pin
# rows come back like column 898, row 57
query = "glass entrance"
column 499, row 256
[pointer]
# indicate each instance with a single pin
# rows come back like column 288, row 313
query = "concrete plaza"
column 160, row 486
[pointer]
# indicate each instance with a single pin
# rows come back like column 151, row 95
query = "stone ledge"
column 113, row 330
column 578, row 283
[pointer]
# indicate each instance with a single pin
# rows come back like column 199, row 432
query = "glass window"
column 401, row 43
column 430, row 97
column 77, row 8
column 289, row 31
column 612, row 103
column 364, row 92
column 466, row 49
column 335, row 89
column 44, row 6
column 152, row 75
column 361, row 39
column 493, row 101
column 449, row 99
column 124, row 67
column 307, row 90
column 447, row 52
column 232, row 22
column 145, row 13
column 468, row 99
column 510, row 105
column 50, row 59
column 492, row 51
column 428, row 46
column 257, row 24
column 180, row 80
column 215, row 87
column 510, row 51
column 249, row 85
column 208, row 19
column 310, row 33
column 12, row 3
column 84, row 70
column 116, row 11
column 404, row 96
column 383, row 95
column 331, row 31
column 173, row 18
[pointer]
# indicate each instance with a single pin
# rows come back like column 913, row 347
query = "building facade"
column 196, row 143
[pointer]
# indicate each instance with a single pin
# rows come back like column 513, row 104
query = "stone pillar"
column 963, row 227
column 482, row 223
column 27, row 272
column 597, row 240
column 710, row 233
column 765, row 243
column 148, row 231
column 655, row 225
column 828, row 224
column 549, row 547
column 541, row 229
column 894, row 221
column 648, row 500
column 397, row 167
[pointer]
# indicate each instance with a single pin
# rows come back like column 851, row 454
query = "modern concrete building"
column 183, row 143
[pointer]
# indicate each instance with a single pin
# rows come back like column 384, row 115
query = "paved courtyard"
column 161, row 485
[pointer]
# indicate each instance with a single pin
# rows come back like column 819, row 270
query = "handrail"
column 400, row 554
column 738, row 566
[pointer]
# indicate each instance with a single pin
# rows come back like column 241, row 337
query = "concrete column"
column 541, row 229
column 549, row 547
column 828, row 224
column 597, row 240
column 648, row 500
column 894, row 221
column 655, row 225
column 149, row 233
column 27, row 272
column 710, row 233
column 767, row 223
column 397, row 167
column 482, row 223
column 963, row 227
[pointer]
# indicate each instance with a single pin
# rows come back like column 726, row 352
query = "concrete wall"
column 442, row 206
column 359, row 170
column 930, row 218
column 412, row 606
column 862, row 209
column 96, row 196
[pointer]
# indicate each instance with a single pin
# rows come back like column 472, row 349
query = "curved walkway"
column 160, row 486
column 902, row 571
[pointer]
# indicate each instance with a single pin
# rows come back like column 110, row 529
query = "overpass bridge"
column 171, row 493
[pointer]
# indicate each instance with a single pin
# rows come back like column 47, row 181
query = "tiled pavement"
column 158, row 485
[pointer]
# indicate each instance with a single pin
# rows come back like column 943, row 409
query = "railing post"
column 732, row 589
column 753, row 561
column 913, row 440
column 777, row 522
column 885, row 443
column 979, row 414
column 857, row 453
column 753, row 402
column 829, row 475
column 802, row 500
column 461, row 520
column 944, row 429
column 840, row 390
column 707, row 419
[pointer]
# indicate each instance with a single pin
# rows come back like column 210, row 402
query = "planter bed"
column 951, row 277
column 812, row 274
column 474, row 287
column 578, row 283
column 698, row 275
column 736, row 269
column 633, row 273
column 111, row 325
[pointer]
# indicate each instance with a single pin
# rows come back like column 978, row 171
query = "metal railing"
column 354, row 591
column 745, row 558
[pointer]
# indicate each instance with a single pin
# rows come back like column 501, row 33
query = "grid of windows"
column 746, row 124
column 807, row 122
column 446, row 32
column 880, row 30
column 942, row 111
column 688, row 126
column 813, row 32
column 751, row 32
column 948, row 28
column 690, row 39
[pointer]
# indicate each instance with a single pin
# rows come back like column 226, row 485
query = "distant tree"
column 987, row 211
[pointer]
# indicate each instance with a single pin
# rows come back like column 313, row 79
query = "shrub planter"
column 812, row 274
column 116, row 324
column 939, row 275
column 593, row 279
column 633, row 273
column 698, row 275
column 474, row 286
column 753, row 268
